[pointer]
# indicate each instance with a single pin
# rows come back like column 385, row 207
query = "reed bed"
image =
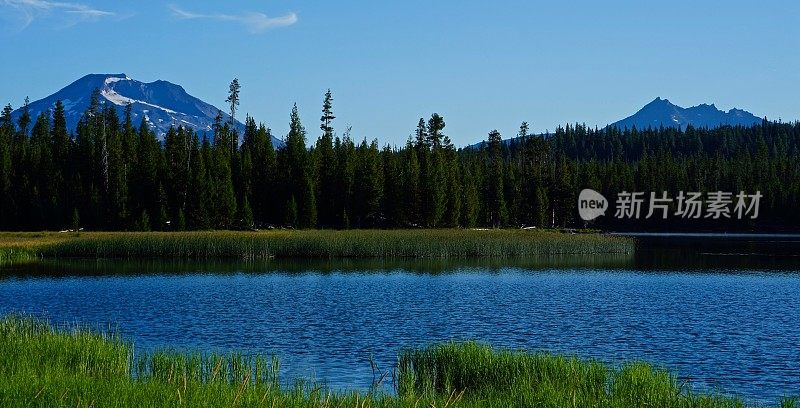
column 327, row 244
column 46, row 367
column 24, row 247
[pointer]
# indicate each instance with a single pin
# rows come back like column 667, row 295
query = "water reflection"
column 107, row 267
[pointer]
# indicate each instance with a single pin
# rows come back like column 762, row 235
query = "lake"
column 722, row 311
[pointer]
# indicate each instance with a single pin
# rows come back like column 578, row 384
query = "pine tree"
column 264, row 177
column 42, row 200
column 367, row 186
column 89, row 175
column 345, row 169
column 291, row 212
column 246, row 153
column 392, row 203
column 246, row 214
column 223, row 139
column 327, row 114
column 308, row 213
column 144, row 222
column 21, row 180
column 76, row 220
column 421, row 141
column 540, row 205
column 103, row 153
column 61, row 150
column 435, row 136
column 198, row 199
column 6, row 134
column 118, row 190
column 164, row 220
column 471, row 198
column 299, row 177
column 453, row 186
column 512, row 193
column 128, row 144
column 411, row 176
column 222, row 194
column 145, row 192
column 565, row 195
column 179, row 153
column 181, row 225
column 433, row 184
column 233, row 98
column 326, row 166
column 24, row 121
column 496, row 214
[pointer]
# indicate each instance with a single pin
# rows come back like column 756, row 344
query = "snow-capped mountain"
column 661, row 112
column 162, row 104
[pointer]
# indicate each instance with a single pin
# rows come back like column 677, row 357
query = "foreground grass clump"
column 480, row 373
column 437, row 244
column 40, row 366
column 43, row 367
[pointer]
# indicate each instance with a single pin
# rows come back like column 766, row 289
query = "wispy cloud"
column 254, row 22
column 30, row 10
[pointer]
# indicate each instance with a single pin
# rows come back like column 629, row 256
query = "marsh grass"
column 320, row 244
column 24, row 247
column 17, row 255
column 45, row 367
column 480, row 373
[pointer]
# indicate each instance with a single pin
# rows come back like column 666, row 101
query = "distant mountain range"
column 661, row 112
column 162, row 104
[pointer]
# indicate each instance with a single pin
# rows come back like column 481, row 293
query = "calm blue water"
column 737, row 331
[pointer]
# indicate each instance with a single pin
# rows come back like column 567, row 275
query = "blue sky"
column 482, row 65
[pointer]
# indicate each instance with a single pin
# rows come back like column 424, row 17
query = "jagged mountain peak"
column 662, row 112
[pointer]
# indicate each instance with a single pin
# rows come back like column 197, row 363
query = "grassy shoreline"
column 41, row 366
column 318, row 244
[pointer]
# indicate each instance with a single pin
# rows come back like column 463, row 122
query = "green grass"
column 318, row 244
column 23, row 247
column 480, row 373
column 17, row 255
column 44, row 367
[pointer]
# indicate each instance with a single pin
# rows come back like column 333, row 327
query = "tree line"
column 112, row 174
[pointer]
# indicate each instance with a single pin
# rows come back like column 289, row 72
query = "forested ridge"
column 112, row 174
